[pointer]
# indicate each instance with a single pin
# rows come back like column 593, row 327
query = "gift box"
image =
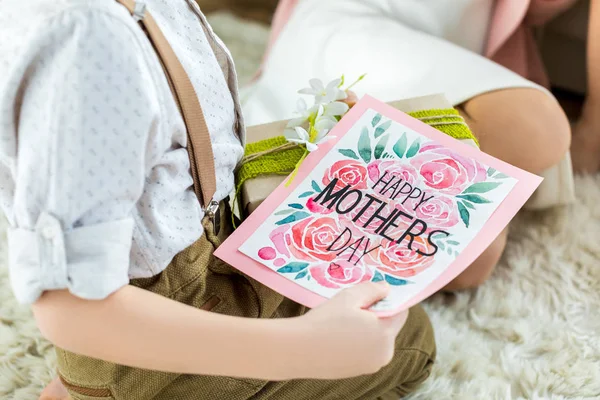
column 269, row 158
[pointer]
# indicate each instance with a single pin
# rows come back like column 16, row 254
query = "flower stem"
column 295, row 171
column 360, row 78
column 312, row 134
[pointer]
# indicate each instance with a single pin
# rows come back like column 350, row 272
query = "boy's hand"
column 55, row 391
column 346, row 339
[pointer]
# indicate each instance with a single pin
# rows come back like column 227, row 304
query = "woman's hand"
column 345, row 339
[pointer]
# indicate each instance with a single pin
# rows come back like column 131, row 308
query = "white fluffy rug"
column 531, row 332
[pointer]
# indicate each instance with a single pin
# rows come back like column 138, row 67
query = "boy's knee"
column 415, row 351
column 417, row 333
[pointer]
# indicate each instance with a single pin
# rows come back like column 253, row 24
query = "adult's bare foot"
column 585, row 145
column 55, row 391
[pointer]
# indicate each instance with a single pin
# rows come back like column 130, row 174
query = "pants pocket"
column 78, row 392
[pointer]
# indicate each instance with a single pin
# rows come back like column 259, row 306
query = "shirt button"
column 48, row 232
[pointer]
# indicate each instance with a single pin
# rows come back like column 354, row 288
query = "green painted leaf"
column 441, row 245
column 449, row 251
column 292, row 267
column 297, row 206
column 414, row 149
column 456, row 254
column 501, row 176
column 315, row 187
column 453, row 242
column 469, row 205
column 464, row 214
column 377, row 277
column 395, row 281
column 284, row 212
column 439, row 235
column 301, row 274
column 364, row 145
column 381, row 146
column 376, row 120
column 305, row 194
column 297, row 216
column 381, row 129
column 348, row 153
column 400, row 146
column 481, row 187
column 491, row 171
column 474, row 198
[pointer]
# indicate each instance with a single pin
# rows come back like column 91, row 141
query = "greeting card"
column 388, row 198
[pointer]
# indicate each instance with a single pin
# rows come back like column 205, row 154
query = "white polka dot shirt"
column 94, row 172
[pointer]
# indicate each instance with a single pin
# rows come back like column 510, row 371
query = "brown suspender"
column 199, row 145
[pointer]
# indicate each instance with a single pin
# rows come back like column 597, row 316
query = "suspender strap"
column 199, row 146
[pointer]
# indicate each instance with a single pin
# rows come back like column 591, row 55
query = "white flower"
column 336, row 108
column 324, row 118
column 320, row 118
column 304, row 112
column 325, row 124
column 325, row 94
column 323, row 137
column 299, row 135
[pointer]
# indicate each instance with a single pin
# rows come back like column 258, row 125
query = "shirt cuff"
column 91, row 261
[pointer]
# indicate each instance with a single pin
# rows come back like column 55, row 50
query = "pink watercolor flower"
column 400, row 261
column 444, row 170
column 340, row 273
column 317, row 208
column 396, row 169
column 373, row 224
column 277, row 237
column 348, row 172
column 309, row 239
column 438, row 212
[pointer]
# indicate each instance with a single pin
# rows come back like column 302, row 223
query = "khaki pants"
column 197, row 278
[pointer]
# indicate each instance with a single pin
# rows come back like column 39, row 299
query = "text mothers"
column 345, row 200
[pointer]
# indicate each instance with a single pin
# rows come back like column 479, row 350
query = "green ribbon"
column 276, row 156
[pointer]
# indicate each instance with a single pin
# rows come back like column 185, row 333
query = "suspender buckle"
column 139, row 11
column 212, row 211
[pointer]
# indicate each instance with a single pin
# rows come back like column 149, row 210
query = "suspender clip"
column 139, row 11
column 212, row 211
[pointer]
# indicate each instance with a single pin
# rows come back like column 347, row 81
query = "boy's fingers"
column 365, row 294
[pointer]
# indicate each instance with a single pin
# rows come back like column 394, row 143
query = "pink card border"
column 526, row 185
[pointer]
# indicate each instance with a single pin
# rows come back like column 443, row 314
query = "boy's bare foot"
column 55, row 391
column 585, row 145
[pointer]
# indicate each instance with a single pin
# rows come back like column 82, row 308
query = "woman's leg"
column 586, row 136
column 524, row 127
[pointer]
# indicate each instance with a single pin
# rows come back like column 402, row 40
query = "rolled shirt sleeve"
column 85, row 109
column 90, row 261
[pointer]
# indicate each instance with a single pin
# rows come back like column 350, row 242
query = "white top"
column 462, row 22
column 407, row 48
column 94, row 173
